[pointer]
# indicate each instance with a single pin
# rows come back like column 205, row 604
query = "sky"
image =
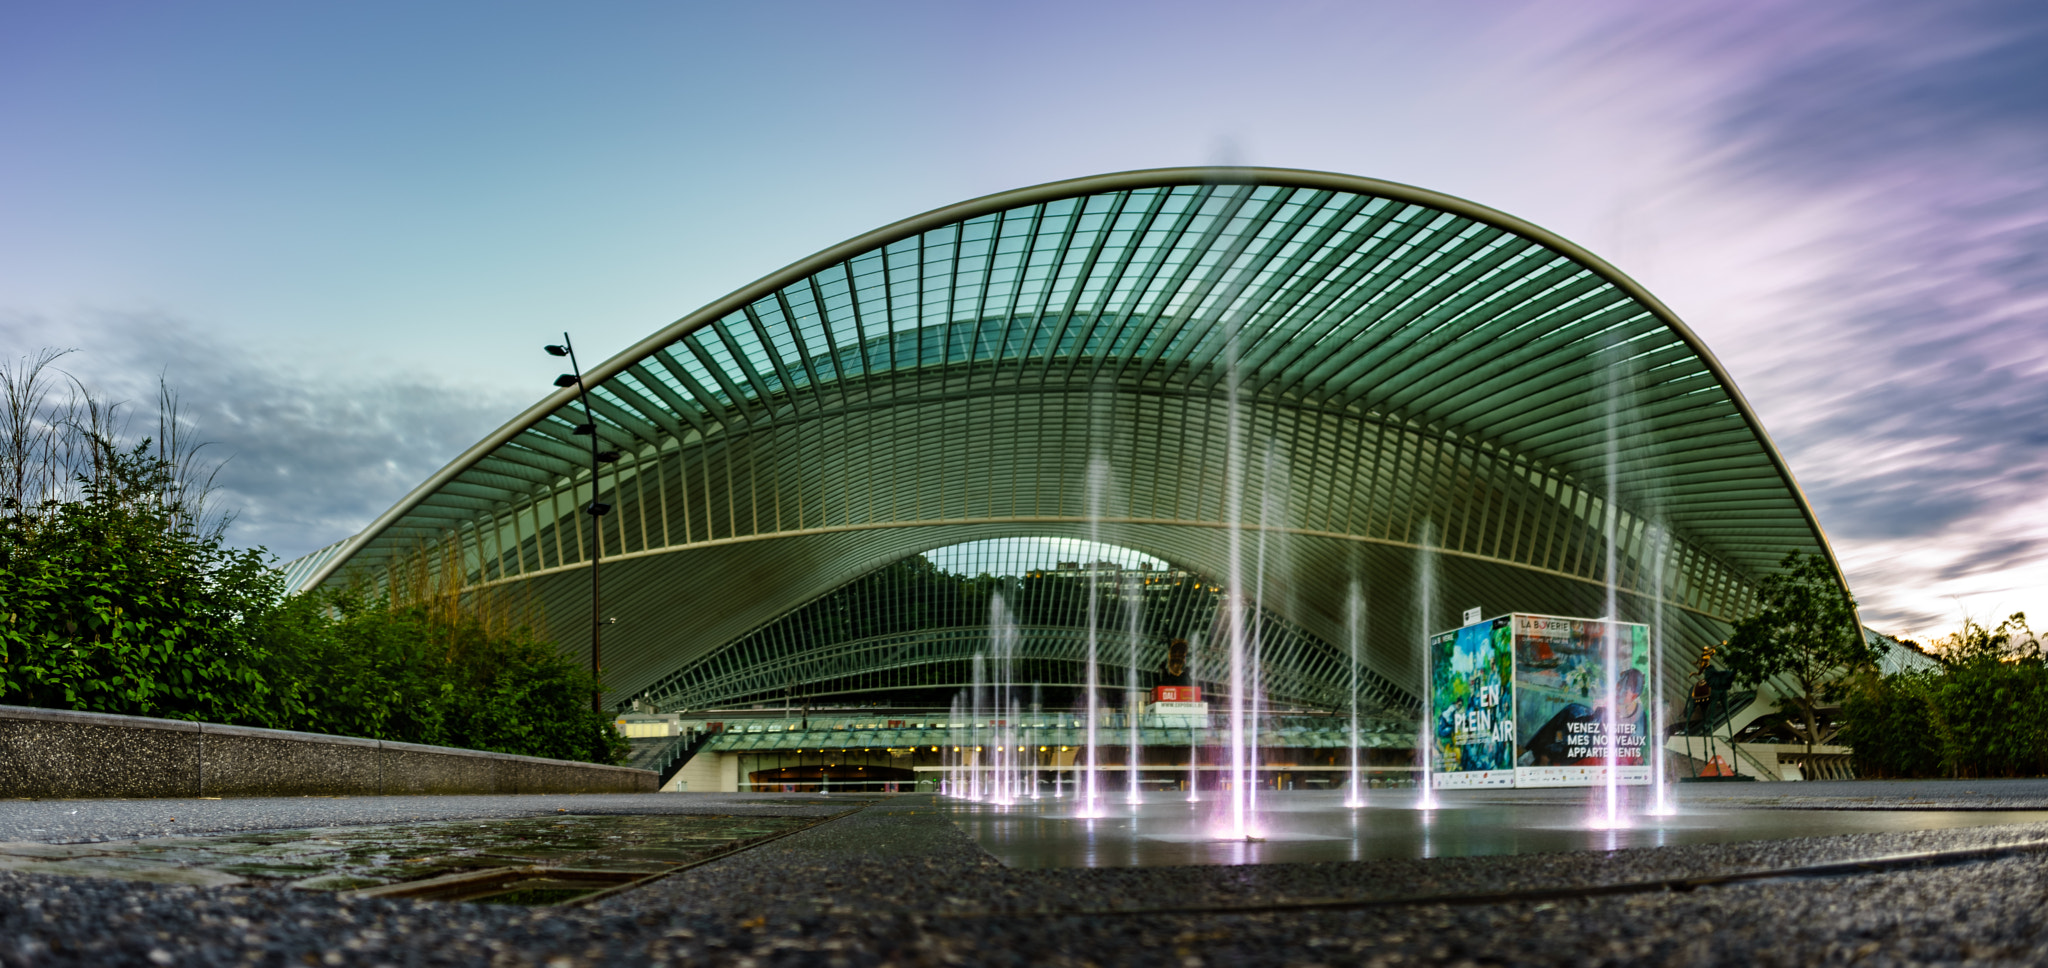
column 342, row 231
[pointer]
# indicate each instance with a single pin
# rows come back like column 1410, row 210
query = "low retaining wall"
column 59, row 753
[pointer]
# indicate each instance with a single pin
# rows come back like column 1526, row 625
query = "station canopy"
column 1369, row 406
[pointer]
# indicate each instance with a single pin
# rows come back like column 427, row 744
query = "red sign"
column 1176, row 693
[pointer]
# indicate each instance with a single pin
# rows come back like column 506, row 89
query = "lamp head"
column 554, row 350
column 566, row 380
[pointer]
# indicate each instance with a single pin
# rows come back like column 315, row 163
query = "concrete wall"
column 728, row 772
column 700, row 774
column 59, row 753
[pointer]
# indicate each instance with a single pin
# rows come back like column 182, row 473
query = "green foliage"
column 112, row 599
column 1889, row 723
column 112, row 604
column 366, row 669
column 1805, row 629
column 1979, row 714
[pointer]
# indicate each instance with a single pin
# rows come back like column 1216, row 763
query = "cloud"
column 1875, row 180
column 1922, row 406
column 310, row 457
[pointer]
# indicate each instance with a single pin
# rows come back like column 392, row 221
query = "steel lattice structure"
column 912, row 626
column 1369, row 375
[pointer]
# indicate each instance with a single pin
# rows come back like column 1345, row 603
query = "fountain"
column 1038, row 720
column 1272, row 523
column 978, row 773
column 1008, row 778
column 1098, row 481
column 1238, row 820
column 1610, row 675
column 1134, row 601
column 1194, row 732
column 1661, row 805
column 955, row 758
column 1354, row 632
column 1425, row 728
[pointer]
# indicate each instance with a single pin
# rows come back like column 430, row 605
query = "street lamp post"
column 596, row 509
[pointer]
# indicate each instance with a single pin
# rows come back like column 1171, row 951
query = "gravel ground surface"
column 899, row 883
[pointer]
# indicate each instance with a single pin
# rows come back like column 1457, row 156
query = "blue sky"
column 342, row 230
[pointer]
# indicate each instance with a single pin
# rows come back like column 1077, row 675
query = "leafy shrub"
column 1890, row 724
column 118, row 595
column 1982, row 713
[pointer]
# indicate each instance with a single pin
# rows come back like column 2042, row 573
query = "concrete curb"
column 59, row 753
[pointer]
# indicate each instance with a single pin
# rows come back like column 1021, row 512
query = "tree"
column 1989, row 698
column 1804, row 630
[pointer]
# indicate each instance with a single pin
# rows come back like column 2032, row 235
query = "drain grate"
column 532, row 886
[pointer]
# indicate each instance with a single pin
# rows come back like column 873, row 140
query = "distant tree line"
column 1980, row 710
column 119, row 593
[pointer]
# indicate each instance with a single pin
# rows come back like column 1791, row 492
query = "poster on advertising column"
column 1472, row 706
column 1563, row 712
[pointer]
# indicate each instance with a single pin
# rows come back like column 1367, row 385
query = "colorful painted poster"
column 1472, row 705
column 1563, row 713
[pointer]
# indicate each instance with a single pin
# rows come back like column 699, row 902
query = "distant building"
column 1101, row 387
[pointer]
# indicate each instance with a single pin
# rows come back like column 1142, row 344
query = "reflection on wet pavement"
column 1298, row 827
column 528, row 860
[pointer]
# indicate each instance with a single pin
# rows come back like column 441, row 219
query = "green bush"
column 113, row 599
column 363, row 668
column 1889, row 723
column 111, row 604
column 1982, row 713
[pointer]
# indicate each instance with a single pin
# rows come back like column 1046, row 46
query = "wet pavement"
column 83, row 821
column 450, row 860
column 1304, row 827
column 901, row 882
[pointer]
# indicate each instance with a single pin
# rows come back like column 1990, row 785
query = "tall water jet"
column 1195, row 736
column 1354, row 633
column 1238, row 821
column 1610, row 677
column 1098, row 480
column 1007, row 787
column 1425, row 729
column 977, row 783
column 1661, row 804
column 1255, row 649
column 1237, row 816
column 1134, row 601
column 1038, row 723
column 1252, row 701
column 956, row 777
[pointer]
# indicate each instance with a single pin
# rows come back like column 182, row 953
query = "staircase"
column 665, row 755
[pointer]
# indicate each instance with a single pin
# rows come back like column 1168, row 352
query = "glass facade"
column 912, row 631
column 1375, row 371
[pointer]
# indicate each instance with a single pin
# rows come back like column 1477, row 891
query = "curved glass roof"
column 1357, row 368
column 916, row 627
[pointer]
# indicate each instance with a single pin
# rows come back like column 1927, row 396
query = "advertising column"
column 1472, row 704
column 1562, row 713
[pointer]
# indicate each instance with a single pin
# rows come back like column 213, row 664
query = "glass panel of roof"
column 1015, row 557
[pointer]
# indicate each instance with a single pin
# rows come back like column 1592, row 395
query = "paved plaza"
column 902, row 880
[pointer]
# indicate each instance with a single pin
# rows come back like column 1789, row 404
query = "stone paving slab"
column 390, row 856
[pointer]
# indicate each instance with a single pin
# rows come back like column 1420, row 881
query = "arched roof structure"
column 1380, row 380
